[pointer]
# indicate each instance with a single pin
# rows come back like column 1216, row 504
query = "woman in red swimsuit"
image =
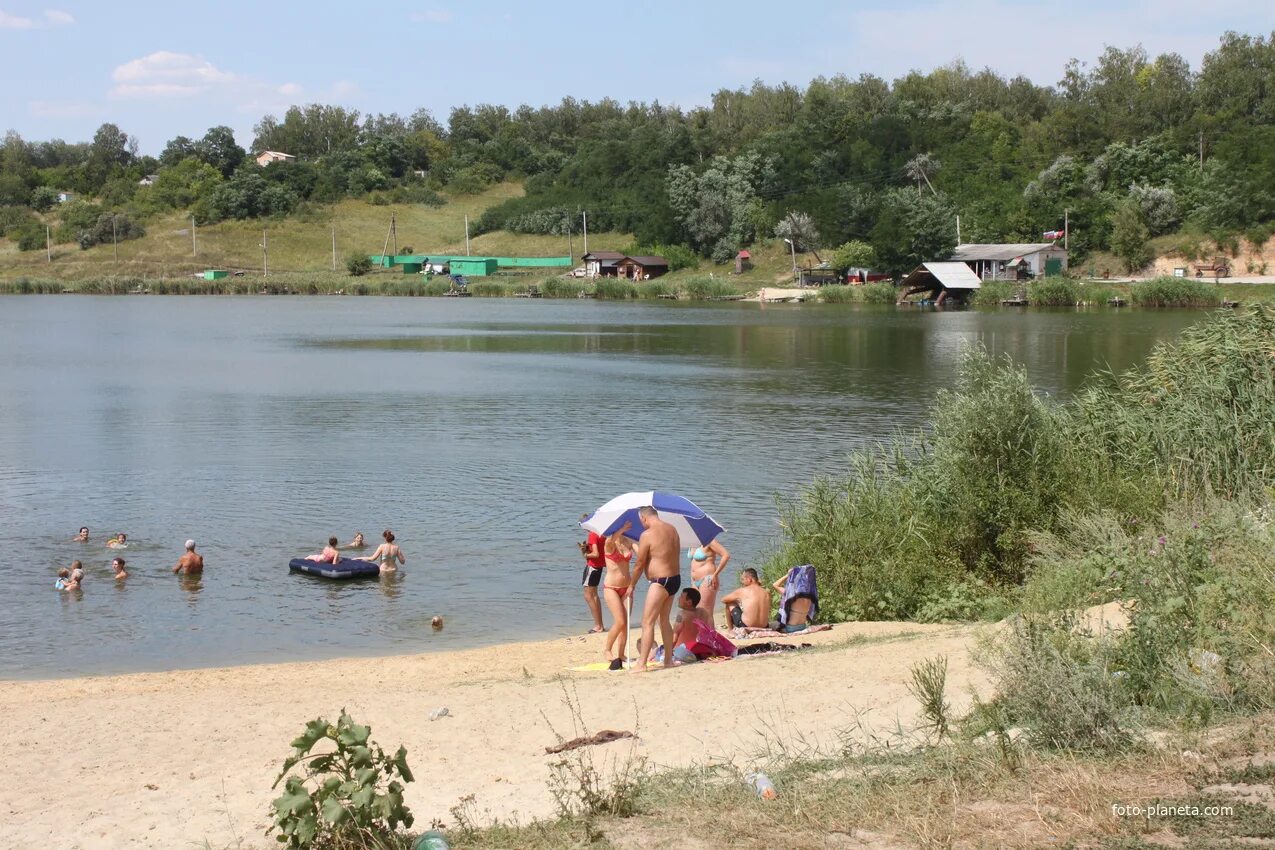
column 618, row 551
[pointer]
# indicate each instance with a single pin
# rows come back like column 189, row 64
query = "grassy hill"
column 301, row 245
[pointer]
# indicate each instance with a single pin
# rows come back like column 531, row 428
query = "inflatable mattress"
column 348, row 568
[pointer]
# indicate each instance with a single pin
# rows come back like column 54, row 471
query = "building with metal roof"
column 943, row 281
column 1012, row 261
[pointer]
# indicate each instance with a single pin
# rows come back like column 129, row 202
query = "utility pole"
column 334, row 247
column 115, row 242
column 958, row 230
column 394, row 231
column 1066, row 227
column 571, row 250
column 466, row 236
column 48, row 243
column 585, row 214
column 193, row 251
column 1201, row 150
column 265, row 254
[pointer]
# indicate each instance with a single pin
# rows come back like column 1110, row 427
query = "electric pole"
column 334, row 247
column 48, row 243
column 585, row 215
column 1066, row 227
column 265, row 254
column 466, row 236
column 193, row 251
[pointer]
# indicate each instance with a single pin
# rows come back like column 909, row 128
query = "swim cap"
column 700, row 555
column 190, row 544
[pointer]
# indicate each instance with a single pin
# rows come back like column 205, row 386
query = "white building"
column 1004, row 262
column 266, row 157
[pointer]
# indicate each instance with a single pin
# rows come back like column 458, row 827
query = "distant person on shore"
column 707, row 563
column 118, row 566
column 618, row 551
column 695, row 638
column 64, row 578
column 83, row 536
column 191, row 563
column 388, row 555
column 356, row 543
column 659, row 556
column 749, row 604
column 119, row 541
column 329, row 555
column 594, row 564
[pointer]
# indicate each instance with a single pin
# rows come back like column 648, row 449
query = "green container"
column 412, row 268
column 215, row 274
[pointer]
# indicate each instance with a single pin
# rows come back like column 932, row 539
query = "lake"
column 477, row 429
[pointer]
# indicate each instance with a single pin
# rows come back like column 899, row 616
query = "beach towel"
column 800, row 585
column 709, row 642
column 746, row 632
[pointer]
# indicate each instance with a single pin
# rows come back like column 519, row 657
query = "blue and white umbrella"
column 695, row 527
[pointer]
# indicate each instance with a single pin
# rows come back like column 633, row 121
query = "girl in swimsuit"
column 618, row 552
column 706, row 574
column 388, row 555
column 329, row 555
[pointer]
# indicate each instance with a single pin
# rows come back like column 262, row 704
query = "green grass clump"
column 558, row 287
column 701, row 288
column 1054, row 292
column 880, row 292
column 491, row 288
column 1175, row 292
column 993, row 292
column 837, row 294
column 615, row 289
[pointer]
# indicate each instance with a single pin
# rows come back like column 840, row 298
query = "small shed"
column 943, row 281
column 472, row 266
column 412, row 268
column 215, row 274
column 743, row 261
column 601, row 263
column 642, row 268
column 266, row 157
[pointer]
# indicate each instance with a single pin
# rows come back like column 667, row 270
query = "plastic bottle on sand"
column 437, row 713
column 761, row 782
column 432, row 840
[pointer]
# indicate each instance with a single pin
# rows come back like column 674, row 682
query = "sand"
column 169, row 760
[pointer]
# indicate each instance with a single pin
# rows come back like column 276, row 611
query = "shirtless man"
column 659, row 555
column 190, row 563
column 749, row 604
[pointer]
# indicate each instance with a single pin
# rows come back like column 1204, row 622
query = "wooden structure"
column 601, row 263
column 266, row 157
column 743, row 262
column 641, row 268
column 945, row 282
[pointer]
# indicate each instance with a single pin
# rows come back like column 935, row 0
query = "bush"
column 109, row 228
column 614, row 289
column 1175, row 292
column 880, row 292
column 358, row 265
column 702, row 288
column 1054, row 292
column 836, row 294
column 490, row 289
column 993, row 292
column 43, row 198
column 348, row 795
column 557, row 287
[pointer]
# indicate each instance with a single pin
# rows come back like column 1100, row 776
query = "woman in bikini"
column 618, row 551
column 706, row 573
column 388, row 555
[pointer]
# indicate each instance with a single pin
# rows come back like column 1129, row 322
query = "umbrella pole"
column 632, row 593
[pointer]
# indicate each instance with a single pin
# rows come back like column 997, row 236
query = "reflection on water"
column 477, row 429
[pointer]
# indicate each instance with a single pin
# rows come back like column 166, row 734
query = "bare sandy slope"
column 171, row 760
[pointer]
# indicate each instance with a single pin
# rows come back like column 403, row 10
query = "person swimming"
column 119, row 541
column 118, row 565
column 64, row 578
column 356, row 543
column 83, row 536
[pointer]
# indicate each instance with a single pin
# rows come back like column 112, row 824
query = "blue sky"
column 164, row 69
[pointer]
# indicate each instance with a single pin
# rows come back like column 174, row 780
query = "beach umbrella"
column 694, row 527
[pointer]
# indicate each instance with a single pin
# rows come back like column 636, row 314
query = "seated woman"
column 799, row 600
column 329, row 555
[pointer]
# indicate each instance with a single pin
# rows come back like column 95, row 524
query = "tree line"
column 1128, row 147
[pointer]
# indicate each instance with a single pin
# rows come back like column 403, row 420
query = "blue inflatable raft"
column 348, row 568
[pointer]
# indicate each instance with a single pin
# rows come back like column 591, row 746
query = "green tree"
column 219, row 149
column 854, row 254
column 43, row 198
column 720, row 208
column 800, row 228
column 184, row 184
column 912, row 229
column 1129, row 235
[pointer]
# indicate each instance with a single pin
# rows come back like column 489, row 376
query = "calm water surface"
column 477, row 429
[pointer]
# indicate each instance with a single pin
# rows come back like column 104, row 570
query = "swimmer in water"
column 356, row 543
column 83, row 536
column 388, row 555
column 119, row 541
column 118, row 566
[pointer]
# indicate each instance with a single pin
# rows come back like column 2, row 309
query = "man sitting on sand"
column 659, row 555
column 190, row 563
column 696, row 639
column 749, row 604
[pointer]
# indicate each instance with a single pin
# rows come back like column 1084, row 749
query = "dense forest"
column 1129, row 147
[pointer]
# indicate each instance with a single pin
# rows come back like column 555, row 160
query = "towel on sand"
column 746, row 632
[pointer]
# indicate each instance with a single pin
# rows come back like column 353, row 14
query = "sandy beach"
column 168, row 760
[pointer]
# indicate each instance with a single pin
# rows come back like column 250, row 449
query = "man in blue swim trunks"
column 659, row 555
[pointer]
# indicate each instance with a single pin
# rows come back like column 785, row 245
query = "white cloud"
column 64, row 109
column 167, row 74
column 289, row 89
column 431, row 16
column 15, row 22
column 344, row 89
column 52, row 18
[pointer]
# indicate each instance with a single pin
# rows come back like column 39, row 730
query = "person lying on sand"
column 747, row 605
column 190, row 563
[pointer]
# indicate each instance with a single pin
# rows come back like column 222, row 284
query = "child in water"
column 64, row 578
column 119, row 541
